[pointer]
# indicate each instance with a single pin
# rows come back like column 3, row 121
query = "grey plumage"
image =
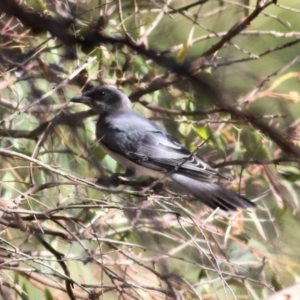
column 143, row 147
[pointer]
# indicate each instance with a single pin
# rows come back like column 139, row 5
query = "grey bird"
column 145, row 149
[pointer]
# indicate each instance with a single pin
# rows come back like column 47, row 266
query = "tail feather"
column 212, row 194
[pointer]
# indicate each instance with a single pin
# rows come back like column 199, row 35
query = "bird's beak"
column 81, row 99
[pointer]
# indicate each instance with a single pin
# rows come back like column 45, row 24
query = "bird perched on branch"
column 145, row 149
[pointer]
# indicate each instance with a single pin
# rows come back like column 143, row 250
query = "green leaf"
column 203, row 132
column 48, row 295
column 24, row 288
column 119, row 73
column 290, row 173
column 275, row 283
column 202, row 274
column 252, row 141
column 125, row 235
column 16, row 278
column 37, row 5
column 97, row 152
column 181, row 54
column 246, row 9
column 279, row 215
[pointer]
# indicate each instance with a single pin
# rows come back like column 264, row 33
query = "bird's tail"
column 212, row 194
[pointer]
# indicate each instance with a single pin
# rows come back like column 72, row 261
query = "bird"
column 145, row 149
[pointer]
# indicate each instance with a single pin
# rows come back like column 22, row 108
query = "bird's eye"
column 102, row 93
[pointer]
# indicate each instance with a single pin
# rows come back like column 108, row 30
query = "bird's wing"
column 149, row 146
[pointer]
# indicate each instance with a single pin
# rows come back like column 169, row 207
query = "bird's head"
column 104, row 99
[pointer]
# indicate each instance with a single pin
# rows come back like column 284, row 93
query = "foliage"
column 221, row 76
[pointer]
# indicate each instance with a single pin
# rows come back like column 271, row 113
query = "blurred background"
column 220, row 76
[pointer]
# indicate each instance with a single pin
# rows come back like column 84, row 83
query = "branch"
column 73, row 178
column 237, row 28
